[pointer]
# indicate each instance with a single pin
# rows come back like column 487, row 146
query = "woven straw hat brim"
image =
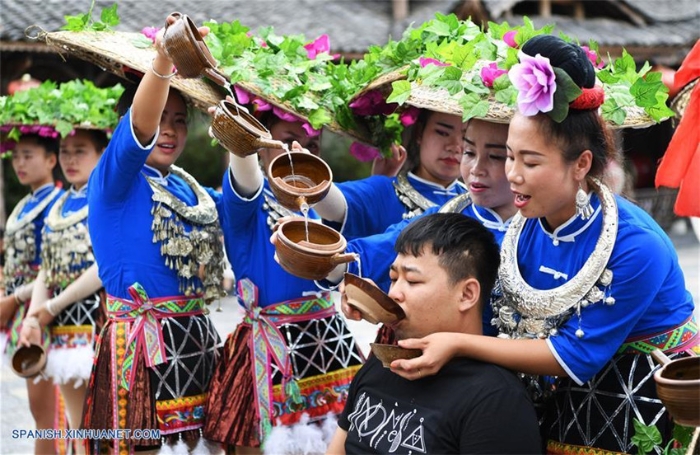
column 439, row 100
column 433, row 98
column 682, row 98
column 115, row 52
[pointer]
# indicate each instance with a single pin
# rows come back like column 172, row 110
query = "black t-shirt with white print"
column 468, row 407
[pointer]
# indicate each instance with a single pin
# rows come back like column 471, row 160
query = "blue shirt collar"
column 156, row 175
column 42, row 192
column 574, row 226
column 490, row 219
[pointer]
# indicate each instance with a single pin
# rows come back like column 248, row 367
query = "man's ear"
column 470, row 294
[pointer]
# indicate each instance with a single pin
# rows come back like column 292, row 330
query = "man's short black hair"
column 464, row 246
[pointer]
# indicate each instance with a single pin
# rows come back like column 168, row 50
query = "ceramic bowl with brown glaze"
column 374, row 304
column 299, row 177
column 312, row 259
column 678, row 388
column 387, row 353
column 28, row 362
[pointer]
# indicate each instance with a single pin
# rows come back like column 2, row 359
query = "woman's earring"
column 583, row 204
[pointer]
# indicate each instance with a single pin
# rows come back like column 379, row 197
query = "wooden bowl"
column 297, row 177
column 371, row 301
column 240, row 132
column 28, row 362
column 387, row 353
column 678, row 387
column 188, row 51
column 312, row 259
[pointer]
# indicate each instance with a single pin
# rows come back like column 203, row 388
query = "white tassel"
column 207, row 447
column 329, row 427
column 165, row 449
column 181, row 448
column 278, row 440
column 302, row 438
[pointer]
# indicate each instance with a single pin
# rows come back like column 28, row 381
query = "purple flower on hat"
column 509, row 39
column 425, row 61
column 150, row 33
column 372, row 103
column 490, row 73
column 363, row 152
column 409, row 116
column 310, row 131
column 593, row 57
column 535, row 80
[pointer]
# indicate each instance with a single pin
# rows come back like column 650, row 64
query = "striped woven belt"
column 681, row 338
column 146, row 332
column 268, row 345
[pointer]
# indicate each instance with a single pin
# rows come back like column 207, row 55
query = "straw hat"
column 119, row 52
column 681, row 100
column 439, row 100
column 433, row 98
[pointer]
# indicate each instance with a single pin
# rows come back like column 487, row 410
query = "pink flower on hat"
column 409, row 116
column 150, row 33
column 490, row 73
column 261, row 104
column 593, row 57
column 509, row 39
column 242, row 96
column 318, row 46
column 535, row 80
column 310, row 131
column 363, row 152
column 372, row 103
column 425, row 61
column 284, row 115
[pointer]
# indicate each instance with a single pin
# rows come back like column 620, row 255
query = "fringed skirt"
column 169, row 397
column 73, row 336
column 324, row 358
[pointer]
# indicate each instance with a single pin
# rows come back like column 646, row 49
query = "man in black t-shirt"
column 445, row 266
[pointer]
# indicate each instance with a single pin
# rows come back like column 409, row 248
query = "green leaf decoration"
column 400, row 93
column 64, row 107
column 566, row 86
column 613, row 112
column 109, row 16
column 141, row 42
column 83, row 22
column 646, row 437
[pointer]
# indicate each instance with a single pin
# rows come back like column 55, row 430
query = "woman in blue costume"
column 591, row 283
column 34, row 157
column 75, row 311
column 292, row 359
column 489, row 200
column 369, row 206
column 152, row 227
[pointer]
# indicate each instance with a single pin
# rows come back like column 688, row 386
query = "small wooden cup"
column 387, row 353
column 238, row 131
column 313, row 259
column 28, row 362
column 188, row 51
column 309, row 183
column 371, row 301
